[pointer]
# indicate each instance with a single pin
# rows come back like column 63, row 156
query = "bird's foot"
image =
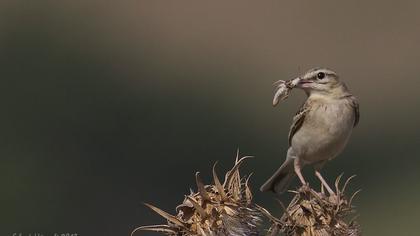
column 305, row 188
column 333, row 198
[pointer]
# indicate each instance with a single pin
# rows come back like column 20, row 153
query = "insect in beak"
column 283, row 89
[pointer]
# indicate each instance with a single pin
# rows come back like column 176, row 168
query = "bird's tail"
column 281, row 179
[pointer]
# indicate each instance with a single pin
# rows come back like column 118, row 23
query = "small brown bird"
column 320, row 129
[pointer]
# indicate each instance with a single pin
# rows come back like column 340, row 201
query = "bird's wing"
column 298, row 121
column 355, row 105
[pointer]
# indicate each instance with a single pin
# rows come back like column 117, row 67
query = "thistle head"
column 216, row 209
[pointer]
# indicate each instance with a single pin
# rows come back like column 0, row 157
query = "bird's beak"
column 304, row 83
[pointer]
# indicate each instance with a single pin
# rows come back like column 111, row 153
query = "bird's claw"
column 305, row 188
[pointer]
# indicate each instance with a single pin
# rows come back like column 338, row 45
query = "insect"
column 283, row 88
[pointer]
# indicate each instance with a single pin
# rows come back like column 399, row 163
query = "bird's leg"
column 298, row 166
column 330, row 191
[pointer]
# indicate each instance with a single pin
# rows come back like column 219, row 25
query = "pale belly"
column 324, row 133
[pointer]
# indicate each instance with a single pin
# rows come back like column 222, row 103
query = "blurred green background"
column 108, row 104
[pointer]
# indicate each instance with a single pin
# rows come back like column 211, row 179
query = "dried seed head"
column 219, row 209
column 312, row 213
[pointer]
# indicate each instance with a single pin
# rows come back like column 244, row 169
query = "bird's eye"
column 320, row 75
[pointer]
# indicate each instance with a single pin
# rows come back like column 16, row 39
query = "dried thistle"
column 219, row 209
column 312, row 213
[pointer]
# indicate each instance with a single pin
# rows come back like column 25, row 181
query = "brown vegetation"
column 228, row 210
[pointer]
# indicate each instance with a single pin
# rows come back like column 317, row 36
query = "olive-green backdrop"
column 108, row 104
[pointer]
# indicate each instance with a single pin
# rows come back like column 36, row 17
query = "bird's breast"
column 325, row 131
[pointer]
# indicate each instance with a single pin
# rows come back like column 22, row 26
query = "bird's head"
column 320, row 81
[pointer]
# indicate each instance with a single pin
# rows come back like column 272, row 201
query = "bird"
column 320, row 129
